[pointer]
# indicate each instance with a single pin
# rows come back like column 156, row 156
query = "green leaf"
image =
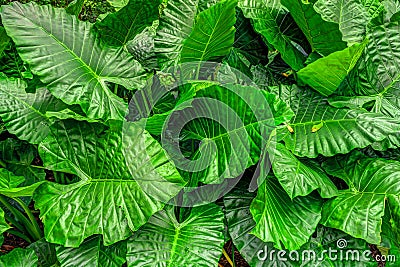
column 376, row 74
column 24, row 113
column 66, row 114
column 342, row 131
column 265, row 16
column 242, row 118
column 9, row 180
column 240, row 224
column 324, row 37
column 92, row 253
column 213, row 34
column 391, row 220
column 353, row 254
column 391, row 228
column 9, row 183
column 358, row 210
column 4, row 40
column 339, row 63
column 3, row 227
column 142, row 47
column 138, row 107
column 238, row 61
column 118, row 4
column 392, row 7
column 176, row 23
column 285, row 222
column 163, row 241
column 124, row 180
column 19, row 158
column 75, row 7
column 74, row 63
column 12, row 65
column 120, row 27
column 19, row 257
column 248, row 42
column 299, row 177
column 351, row 16
column 374, row 7
column 46, row 253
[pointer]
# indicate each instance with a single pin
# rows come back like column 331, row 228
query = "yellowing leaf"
column 316, row 127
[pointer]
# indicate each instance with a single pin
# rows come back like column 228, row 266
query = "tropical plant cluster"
column 157, row 133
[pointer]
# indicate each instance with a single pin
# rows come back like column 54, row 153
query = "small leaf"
column 294, row 221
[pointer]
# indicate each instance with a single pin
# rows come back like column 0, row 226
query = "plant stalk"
column 38, row 231
column 20, row 235
column 28, row 225
column 14, row 223
column 3, row 164
column 227, row 257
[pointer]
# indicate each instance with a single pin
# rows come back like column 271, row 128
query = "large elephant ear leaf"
column 376, row 74
column 124, row 180
column 19, row 257
column 324, row 37
column 376, row 79
column 243, row 119
column 299, row 177
column 213, row 34
column 163, row 241
column 66, row 54
column 339, row 63
column 358, row 211
column 327, row 239
column 318, row 128
column 176, row 23
column 266, row 17
column 92, row 253
column 24, row 114
column 301, row 214
column 352, row 17
column 120, row 27
column 240, row 224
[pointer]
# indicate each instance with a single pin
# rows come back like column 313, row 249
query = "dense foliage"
column 153, row 134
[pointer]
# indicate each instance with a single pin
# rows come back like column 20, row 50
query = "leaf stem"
column 233, row 254
column 38, row 231
column 26, row 166
column 227, row 257
column 3, row 164
column 21, row 217
column 14, row 223
column 20, row 235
